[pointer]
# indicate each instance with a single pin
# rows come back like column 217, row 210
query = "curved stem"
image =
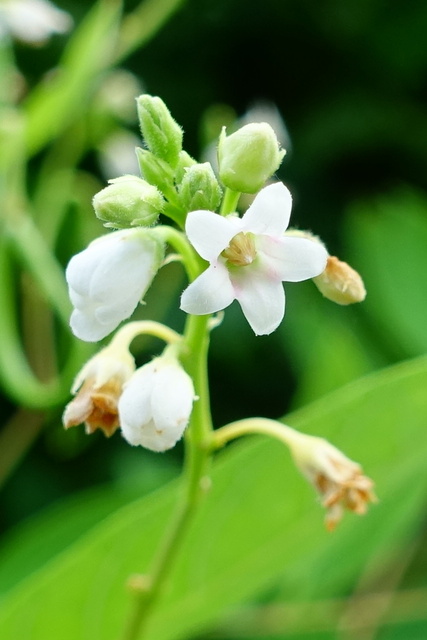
column 131, row 330
column 260, row 426
column 192, row 262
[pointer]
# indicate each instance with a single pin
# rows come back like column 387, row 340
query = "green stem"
column 260, row 426
column 198, row 455
column 229, row 202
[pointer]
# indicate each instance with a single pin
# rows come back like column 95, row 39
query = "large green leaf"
column 259, row 522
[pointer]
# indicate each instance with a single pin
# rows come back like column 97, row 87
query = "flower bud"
column 248, row 157
column 154, row 170
column 340, row 283
column 156, row 404
column 98, row 387
column 162, row 135
column 199, row 188
column 128, row 201
column 184, row 162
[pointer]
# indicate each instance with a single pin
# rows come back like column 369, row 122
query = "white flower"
column 108, row 279
column 32, row 21
column 249, row 258
column 156, row 404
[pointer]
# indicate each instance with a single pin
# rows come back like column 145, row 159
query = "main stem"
column 198, row 453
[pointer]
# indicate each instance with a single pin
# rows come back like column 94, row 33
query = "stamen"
column 241, row 250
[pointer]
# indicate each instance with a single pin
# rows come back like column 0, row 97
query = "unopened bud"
column 128, row 201
column 248, row 157
column 162, row 135
column 185, row 161
column 340, row 283
column 199, row 188
column 154, row 170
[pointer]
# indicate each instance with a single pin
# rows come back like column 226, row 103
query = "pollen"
column 241, row 250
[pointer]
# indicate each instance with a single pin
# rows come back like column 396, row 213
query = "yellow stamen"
column 241, row 250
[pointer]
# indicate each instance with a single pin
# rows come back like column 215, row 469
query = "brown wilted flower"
column 339, row 481
column 98, row 387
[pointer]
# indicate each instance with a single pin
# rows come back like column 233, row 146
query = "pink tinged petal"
column 261, row 298
column 210, row 233
column 270, row 211
column 291, row 259
column 210, row 292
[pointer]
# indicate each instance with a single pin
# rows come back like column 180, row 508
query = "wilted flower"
column 249, row 258
column 98, row 387
column 340, row 283
column 108, row 279
column 339, row 481
column 156, row 404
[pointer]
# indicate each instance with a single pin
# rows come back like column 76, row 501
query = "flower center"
column 241, row 250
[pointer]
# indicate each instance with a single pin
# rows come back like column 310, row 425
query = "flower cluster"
column 152, row 404
column 227, row 257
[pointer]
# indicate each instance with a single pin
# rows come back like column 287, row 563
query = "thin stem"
column 131, row 330
column 260, row 426
column 197, row 461
column 229, row 202
column 192, row 262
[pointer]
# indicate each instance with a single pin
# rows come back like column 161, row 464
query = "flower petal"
column 86, row 326
column 210, row 292
column 135, row 404
column 270, row 211
column 291, row 259
column 210, row 233
column 261, row 298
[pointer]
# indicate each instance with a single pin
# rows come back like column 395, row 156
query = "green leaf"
column 259, row 522
column 388, row 240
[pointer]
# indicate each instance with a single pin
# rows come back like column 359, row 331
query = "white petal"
column 270, row 211
column 210, row 292
column 261, row 298
column 135, row 404
column 210, row 233
column 172, row 402
column 86, row 327
column 291, row 259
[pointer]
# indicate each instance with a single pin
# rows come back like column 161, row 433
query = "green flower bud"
column 185, row 161
column 248, row 157
column 162, row 135
column 199, row 188
column 128, row 201
column 154, row 170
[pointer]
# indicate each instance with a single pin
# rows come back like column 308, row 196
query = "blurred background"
column 344, row 83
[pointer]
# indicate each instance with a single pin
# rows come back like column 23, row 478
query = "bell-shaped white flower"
column 107, row 280
column 156, row 404
column 249, row 259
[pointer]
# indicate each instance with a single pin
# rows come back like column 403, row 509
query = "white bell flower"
column 107, row 280
column 156, row 404
column 249, row 258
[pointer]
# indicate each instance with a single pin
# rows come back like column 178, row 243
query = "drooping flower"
column 339, row 481
column 97, row 389
column 156, row 404
column 249, row 259
column 108, row 279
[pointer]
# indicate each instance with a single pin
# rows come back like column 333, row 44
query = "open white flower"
column 156, row 404
column 108, row 279
column 249, row 259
